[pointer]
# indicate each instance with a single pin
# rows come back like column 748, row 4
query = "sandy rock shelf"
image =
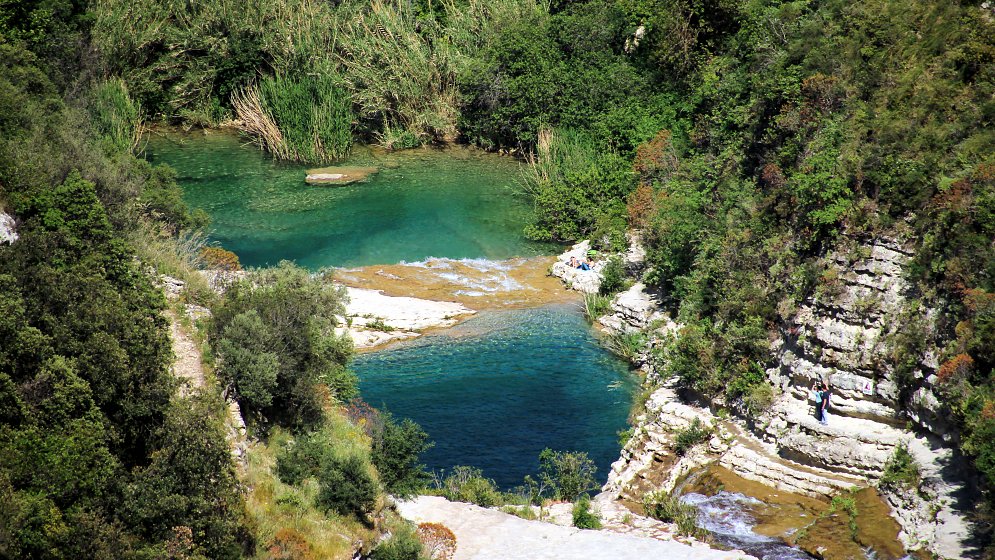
column 370, row 310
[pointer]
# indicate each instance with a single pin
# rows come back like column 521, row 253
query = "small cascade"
column 729, row 518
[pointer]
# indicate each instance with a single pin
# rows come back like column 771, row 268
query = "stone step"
column 754, row 460
column 857, row 447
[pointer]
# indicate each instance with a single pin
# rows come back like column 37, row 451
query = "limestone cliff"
column 841, row 334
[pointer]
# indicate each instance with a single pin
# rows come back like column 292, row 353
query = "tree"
column 347, row 487
column 568, row 474
column 395, row 452
column 283, row 321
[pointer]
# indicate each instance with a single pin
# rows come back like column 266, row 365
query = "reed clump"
column 116, row 116
column 301, row 119
column 399, row 78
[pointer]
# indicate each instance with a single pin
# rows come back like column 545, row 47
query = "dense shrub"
column 403, row 544
column 282, row 321
column 396, row 447
column 694, row 434
column 613, row 277
column 566, row 474
column 347, row 487
column 669, row 509
column 468, row 484
column 95, row 459
column 901, row 470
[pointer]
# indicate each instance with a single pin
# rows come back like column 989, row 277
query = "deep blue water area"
column 497, row 389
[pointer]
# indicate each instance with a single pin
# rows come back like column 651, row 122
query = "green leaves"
column 396, row 450
column 252, row 373
column 275, row 335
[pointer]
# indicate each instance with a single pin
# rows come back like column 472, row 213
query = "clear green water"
column 455, row 203
column 501, row 387
column 492, row 392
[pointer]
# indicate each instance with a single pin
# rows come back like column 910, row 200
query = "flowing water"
column 730, row 519
column 457, row 203
column 493, row 391
column 497, row 389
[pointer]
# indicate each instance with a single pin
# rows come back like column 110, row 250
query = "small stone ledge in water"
column 338, row 175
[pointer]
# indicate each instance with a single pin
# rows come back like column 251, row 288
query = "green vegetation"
column 307, row 119
column 669, row 509
column 403, row 544
column 694, row 434
column 901, row 470
column 274, row 335
column 596, row 305
column 743, row 137
column 468, row 484
column 99, row 456
column 626, row 345
column 288, row 517
column 583, row 517
column 567, row 475
column 395, row 452
column 613, row 278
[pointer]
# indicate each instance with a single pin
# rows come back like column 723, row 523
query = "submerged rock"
column 338, row 175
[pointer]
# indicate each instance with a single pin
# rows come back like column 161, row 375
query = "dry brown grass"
column 278, row 509
column 252, row 119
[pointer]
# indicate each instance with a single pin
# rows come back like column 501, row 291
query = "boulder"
column 587, row 281
column 8, row 229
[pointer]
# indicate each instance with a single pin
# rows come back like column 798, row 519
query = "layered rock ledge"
column 841, row 335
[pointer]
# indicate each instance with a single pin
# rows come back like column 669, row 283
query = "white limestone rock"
column 587, row 281
column 8, row 229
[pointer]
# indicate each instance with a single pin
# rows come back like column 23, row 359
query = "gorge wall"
column 842, row 334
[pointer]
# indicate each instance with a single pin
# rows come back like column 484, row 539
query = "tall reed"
column 559, row 152
column 116, row 116
column 398, row 76
column 306, row 118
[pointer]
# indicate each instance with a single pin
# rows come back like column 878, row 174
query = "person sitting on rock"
column 585, row 264
column 574, row 263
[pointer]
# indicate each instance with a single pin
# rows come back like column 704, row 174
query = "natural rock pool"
column 496, row 390
column 492, row 392
column 457, row 203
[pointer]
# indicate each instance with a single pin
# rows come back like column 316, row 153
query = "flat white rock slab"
column 486, row 534
column 404, row 313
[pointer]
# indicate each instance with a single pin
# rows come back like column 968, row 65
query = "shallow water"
column 457, row 203
column 730, row 519
column 496, row 390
